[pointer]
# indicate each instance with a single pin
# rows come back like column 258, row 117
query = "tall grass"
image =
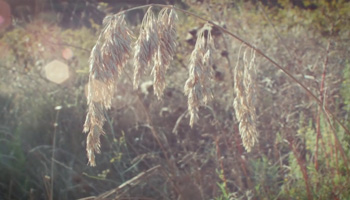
column 148, row 50
column 156, row 46
column 214, row 120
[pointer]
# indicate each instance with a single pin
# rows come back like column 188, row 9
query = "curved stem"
column 319, row 102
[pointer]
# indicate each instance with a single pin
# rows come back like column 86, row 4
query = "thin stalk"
column 319, row 102
column 303, row 169
column 322, row 97
column 337, row 144
column 318, row 135
column 218, row 154
column 242, row 161
column 58, row 108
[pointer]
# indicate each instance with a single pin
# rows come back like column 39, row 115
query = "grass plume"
column 166, row 48
column 146, row 45
column 107, row 61
column 197, row 86
column 156, row 46
column 243, row 104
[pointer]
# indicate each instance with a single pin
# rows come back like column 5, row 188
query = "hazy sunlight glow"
column 57, row 71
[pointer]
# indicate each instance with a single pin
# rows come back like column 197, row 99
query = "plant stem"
column 218, row 155
column 322, row 97
column 53, row 151
column 303, row 168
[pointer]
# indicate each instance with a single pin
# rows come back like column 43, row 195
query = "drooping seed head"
column 166, row 48
column 107, row 60
column 146, row 45
column 197, row 86
column 243, row 104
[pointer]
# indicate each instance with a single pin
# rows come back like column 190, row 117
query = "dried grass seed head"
column 197, row 86
column 117, row 47
column 107, row 60
column 243, row 104
column 146, row 45
column 94, row 126
column 166, row 48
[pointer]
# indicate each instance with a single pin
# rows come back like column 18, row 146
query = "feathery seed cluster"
column 166, row 49
column 107, row 59
column 197, row 86
column 146, row 45
column 156, row 45
column 243, row 103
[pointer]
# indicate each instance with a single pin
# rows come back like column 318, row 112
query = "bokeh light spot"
column 67, row 53
column 56, row 71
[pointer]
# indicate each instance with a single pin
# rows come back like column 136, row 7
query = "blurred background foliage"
column 301, row 154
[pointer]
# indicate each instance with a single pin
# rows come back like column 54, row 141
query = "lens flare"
column 56, row 71
column 67, row 53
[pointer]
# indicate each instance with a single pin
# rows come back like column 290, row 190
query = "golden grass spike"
column 197, row 86
column 244, row 87
column 166, row 48
column 107, row 60
column 146, row 45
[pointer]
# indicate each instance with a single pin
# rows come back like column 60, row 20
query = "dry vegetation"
column 204, row 116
